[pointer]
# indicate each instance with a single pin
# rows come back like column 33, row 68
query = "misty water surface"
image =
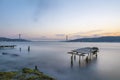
column 52, row 59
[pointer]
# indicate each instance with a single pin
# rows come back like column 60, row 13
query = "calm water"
column 52, row 59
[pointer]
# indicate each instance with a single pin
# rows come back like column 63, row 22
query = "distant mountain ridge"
column 98, row 39
column 16, row 40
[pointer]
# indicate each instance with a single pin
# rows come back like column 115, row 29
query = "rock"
column 24, row 74
column 15, row 55
column 4, row 53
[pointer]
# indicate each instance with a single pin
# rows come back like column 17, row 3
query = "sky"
column 54, row 19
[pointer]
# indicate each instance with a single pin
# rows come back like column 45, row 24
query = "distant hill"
column 99, row 39
column 14, row 40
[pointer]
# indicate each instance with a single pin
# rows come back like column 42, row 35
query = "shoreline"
column 25, row 74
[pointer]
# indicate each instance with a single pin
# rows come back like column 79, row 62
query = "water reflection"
column 28, row 48
column 74, row 57
column 20, row 49
column 72, row 61
column 10, row 54
column 83, row 60
column 51, row 58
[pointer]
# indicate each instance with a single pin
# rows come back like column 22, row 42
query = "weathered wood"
column 90, row 51
column 86, row 50
column 7, row 46
column 86, row 54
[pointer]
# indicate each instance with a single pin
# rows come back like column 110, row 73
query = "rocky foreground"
column 24, row 74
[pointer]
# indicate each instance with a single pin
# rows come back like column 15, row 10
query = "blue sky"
column 53, row 19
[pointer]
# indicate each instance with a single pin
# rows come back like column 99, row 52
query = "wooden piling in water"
column 7, row 46
column 82, row 52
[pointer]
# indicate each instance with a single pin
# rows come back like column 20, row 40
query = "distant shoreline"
column 104, row 39
column 98, row 39
column 3, row 39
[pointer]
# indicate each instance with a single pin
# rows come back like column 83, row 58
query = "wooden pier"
column 7, row 46
column 85, row 54
column 83, row 51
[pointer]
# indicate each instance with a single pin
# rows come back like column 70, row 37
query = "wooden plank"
column 5, row 46
column 86, row 50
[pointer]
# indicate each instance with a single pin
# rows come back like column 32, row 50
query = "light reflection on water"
column 52, row 59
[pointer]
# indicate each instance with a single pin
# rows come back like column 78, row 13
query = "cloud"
column 43, row 6
column 87, row 32
column 93, row 33
column 40, row 38
column 111, row 34
column 60, row 35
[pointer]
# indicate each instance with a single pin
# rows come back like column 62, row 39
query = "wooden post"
column 36, row 67
column 74, row 57
column 96, row 54
column 28, row 48
column 79, row 61
column 20, row 49
column 71, row 61
column 87, row 59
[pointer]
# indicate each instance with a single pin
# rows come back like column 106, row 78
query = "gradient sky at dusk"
column 53, row 19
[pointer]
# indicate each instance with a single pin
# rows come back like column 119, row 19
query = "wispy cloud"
column 43, row 6
column 60, row 35
column 40, row 38
column 111, row 34
column 93, row 33
column 87, row 32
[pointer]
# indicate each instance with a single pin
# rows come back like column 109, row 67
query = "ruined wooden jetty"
column 85, row 54
column 87, row 51
column 7, row 46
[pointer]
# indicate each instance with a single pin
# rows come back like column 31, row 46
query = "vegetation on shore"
column 98, row 39
column 13, row 40
column 25, row 74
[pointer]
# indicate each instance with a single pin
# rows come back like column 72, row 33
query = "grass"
column 25, row 74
